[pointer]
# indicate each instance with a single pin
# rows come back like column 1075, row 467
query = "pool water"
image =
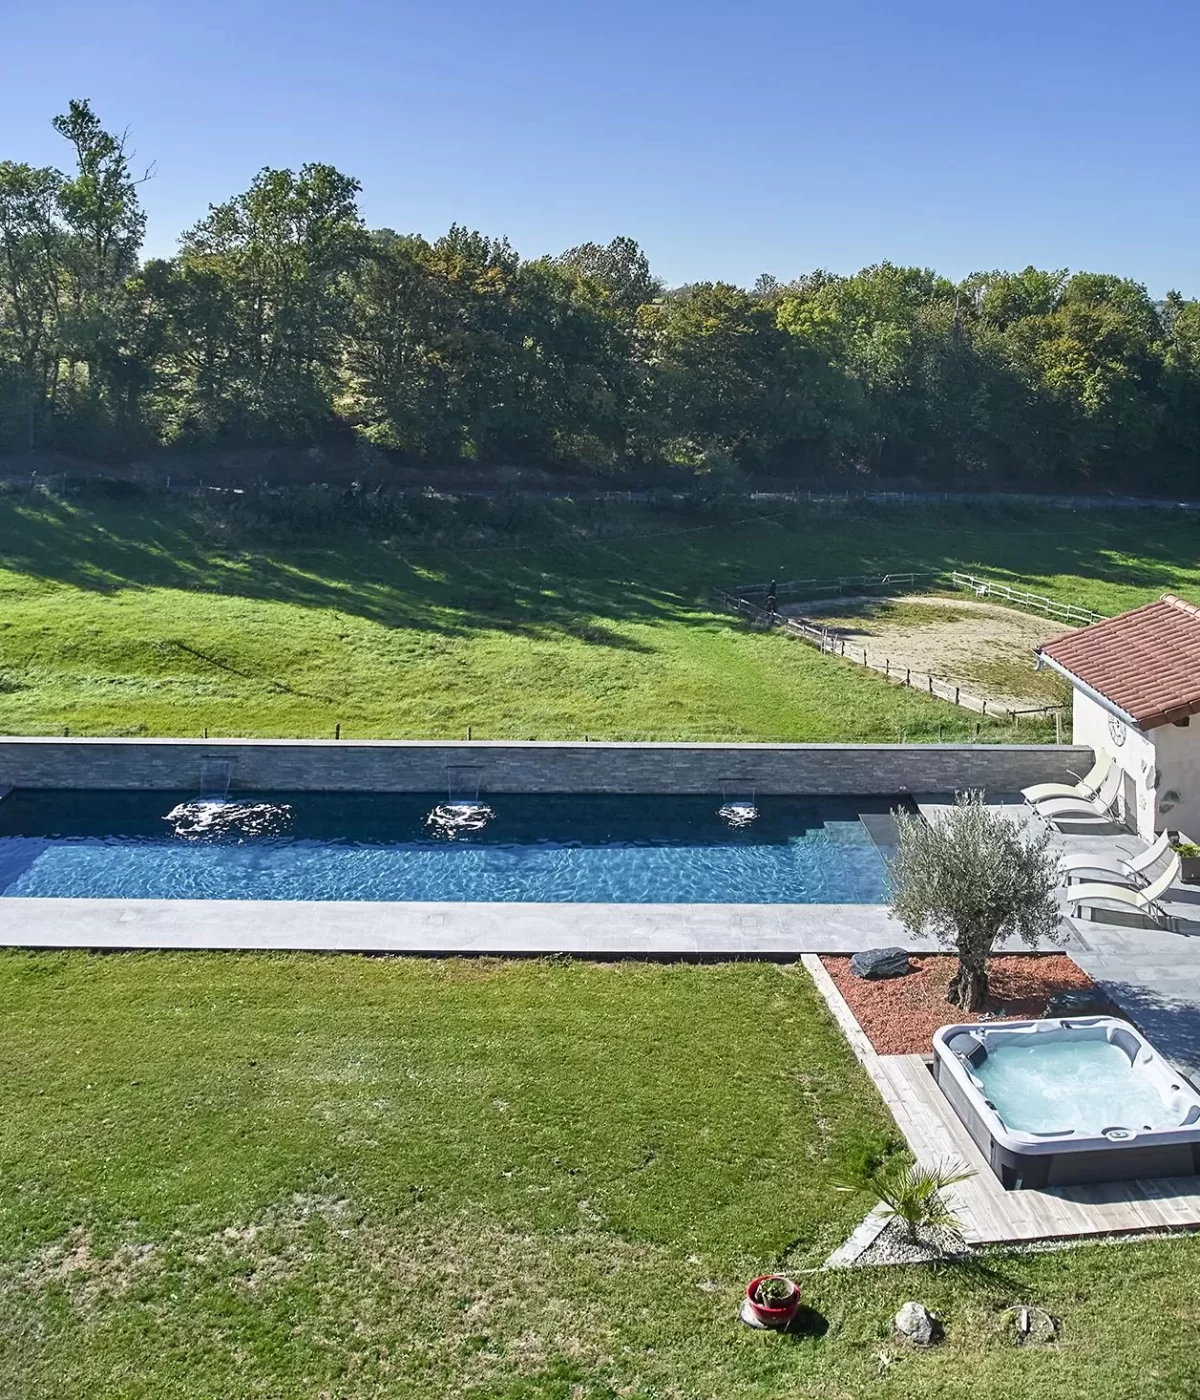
column 1049, row 1084
column 405, row 846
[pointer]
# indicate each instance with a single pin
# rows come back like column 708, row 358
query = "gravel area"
column 900, row 1014
column 892, row 1246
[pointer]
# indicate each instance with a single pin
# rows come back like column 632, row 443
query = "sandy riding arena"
column 984, row 648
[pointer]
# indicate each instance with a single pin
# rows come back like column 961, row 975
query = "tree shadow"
column 556, row 583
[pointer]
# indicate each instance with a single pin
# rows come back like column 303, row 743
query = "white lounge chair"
column 1071, row 808
column 1140, row 901
column 1088, row 786
column 1118, row 869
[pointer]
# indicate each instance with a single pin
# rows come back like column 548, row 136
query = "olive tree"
column 970, row 878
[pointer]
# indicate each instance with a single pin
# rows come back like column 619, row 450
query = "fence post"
column 931, row 685
column 337, row 730
column 887, row 666
column 984, row 710
column 956, row 695
column 908, row 675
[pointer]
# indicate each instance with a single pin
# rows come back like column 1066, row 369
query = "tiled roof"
column 1147, row 662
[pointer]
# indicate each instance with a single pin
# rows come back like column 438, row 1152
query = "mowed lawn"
column 290, row 1176
column 147, row 617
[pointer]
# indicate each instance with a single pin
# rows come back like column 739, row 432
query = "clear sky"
column 728, row 138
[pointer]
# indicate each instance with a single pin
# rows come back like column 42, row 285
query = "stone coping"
column 467, row 745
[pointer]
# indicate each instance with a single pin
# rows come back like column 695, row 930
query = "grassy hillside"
column 164, row 616
column 358, row 1177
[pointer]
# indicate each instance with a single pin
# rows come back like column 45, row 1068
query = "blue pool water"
column 1048, row 1083
column 382, row 846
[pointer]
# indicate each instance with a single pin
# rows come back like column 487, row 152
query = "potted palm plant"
column 773, row 1299
column 1189, row 859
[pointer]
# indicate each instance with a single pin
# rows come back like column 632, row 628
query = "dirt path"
column 983, row 648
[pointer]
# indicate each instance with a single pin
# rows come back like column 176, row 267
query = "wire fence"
column 190, row 482
column 901, row 581
column 831, row 642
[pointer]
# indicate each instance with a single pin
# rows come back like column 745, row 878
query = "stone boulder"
column 1035, row 1327
column 916, row 1325
column 874, row 963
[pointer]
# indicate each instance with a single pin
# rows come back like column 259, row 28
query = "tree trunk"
column 969, row 986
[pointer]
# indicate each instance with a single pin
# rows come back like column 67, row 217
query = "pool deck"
column 341, row 926
column 1152, row 973
column 987, row 1213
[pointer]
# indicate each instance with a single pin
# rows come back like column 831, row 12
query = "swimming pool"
column 406, row 846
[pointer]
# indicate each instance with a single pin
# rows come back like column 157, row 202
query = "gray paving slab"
column 704, row 930
column 1152, row 973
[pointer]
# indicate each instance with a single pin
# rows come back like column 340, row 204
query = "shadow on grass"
column 806, row 1325
column 556, row 582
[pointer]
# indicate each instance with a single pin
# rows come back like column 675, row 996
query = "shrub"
column 913, row 1195
column 971, row 878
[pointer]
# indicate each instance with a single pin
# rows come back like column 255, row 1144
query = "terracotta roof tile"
column 1147, row 662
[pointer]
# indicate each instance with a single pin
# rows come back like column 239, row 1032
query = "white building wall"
column 1161, row 766
column 1177, row 797
column 1133, row 752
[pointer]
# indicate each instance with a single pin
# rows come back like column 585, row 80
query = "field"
column 348, row 1177
column 165, row 616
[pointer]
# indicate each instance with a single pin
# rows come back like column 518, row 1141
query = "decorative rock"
column 1035, row 1327
column 873, row 963
column 917, row 1325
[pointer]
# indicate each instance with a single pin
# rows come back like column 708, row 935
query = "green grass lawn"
column 153, row 616
column 299, row 1176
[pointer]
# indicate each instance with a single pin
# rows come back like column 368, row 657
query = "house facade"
column 1136, row 686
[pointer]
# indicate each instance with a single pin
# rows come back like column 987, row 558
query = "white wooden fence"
column 834, row 643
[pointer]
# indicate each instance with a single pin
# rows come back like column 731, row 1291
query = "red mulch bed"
column 900, row 1014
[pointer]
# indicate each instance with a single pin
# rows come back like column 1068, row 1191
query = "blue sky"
column 728, row 138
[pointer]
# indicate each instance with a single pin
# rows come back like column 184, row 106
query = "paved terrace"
column 343, row 926
column 1152, row 973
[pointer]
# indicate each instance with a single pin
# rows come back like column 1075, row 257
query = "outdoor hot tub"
column 1058, row 1102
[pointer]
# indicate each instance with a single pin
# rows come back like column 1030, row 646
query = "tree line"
column 282, row 319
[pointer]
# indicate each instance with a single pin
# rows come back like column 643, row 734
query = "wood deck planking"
column 987, row 1212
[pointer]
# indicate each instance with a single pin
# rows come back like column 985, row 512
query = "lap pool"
column 404, row 846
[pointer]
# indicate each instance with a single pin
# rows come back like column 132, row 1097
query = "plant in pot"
column 773, row 1299
column 1189, row 860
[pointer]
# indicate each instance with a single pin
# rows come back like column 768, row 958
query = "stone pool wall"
column 502, row 766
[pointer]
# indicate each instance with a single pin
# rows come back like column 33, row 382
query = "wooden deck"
column 987, row 1212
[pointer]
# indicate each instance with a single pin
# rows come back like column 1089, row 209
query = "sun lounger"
column 1072, row 808
column 1087, row 787
column 1119, row 869
column 1139, row 901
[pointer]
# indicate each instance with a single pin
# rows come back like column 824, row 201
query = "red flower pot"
column 772, row 1314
